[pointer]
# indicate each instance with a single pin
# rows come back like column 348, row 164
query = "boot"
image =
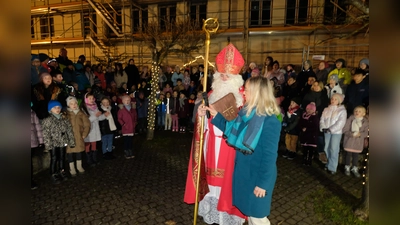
column 94, row 157
column 79, row 166
column 63, row 175
column 354, row 170
column 131, row 156
column 305, row 156
column 127, row 155
column 310, row 157
column 72, row 170
column 55, row 178
column 89, row 158
column 285, row 154
column 322, row 158
column 291, row 155
column 347, row 170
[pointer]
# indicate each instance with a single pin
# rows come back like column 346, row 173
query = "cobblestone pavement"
column 149, row 189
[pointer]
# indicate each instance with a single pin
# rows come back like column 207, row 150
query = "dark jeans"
column 57, row 162
column 128, row 142
column 142, row 124
column 107, row 142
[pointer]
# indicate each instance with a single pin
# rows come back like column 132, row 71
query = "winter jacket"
column 335, row 90
column 292, row 122
column 109, row 76
column 81, row 127
column 35, row 74
column 102, row 78
column 105, row 125
column 183, row 111
column 161, row 106
column 289, row 92
column 333, row 118
column 309, row 137
column 41, row 97
column 175, row 77
column 257, row 169
column 173, row 105
column 303, row 76
column 343, row 74
column 356, row 94
column 133, row 75
column 320, row 99
column 120, row 79
column 82, row 81
column 128, row 120
column 36, row 131
column 142, row 107
column 94, row 134
column 57, row 132
column 322, row 75
column 69, row 75
column 354, row 144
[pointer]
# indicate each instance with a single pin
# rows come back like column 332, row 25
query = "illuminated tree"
column 182, row 36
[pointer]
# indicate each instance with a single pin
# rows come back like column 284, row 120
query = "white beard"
column 221, row 88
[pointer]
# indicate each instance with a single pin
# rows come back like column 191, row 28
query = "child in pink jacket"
column 127, row 117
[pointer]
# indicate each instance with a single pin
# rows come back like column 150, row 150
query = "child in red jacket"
column 127, row 117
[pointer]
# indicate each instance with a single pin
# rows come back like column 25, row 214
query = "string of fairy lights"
column 151, row 115
column 364, row 175
column 195, row 60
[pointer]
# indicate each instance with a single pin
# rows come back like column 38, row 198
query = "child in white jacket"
column 331, row 123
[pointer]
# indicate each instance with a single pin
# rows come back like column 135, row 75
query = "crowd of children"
column 323, row 111
column 79, row 105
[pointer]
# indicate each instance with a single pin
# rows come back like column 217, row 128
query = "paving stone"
column 149, row 189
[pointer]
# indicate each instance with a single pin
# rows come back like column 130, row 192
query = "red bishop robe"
column 216, row 173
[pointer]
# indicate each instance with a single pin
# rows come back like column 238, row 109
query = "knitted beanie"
column 334, row 77
column 70, row 99
column 52, row 104
column 34, row 57
column 297, row 100
column 312, row 107
column 339, row 97
column 365, row 61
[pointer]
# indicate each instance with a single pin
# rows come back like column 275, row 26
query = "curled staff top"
column 210, row 25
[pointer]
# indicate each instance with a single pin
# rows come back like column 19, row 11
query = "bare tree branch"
column 359, row 5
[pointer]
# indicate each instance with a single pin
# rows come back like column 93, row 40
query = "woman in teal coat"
column 255, row 133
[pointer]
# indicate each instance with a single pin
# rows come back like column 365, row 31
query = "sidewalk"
column 149, row 189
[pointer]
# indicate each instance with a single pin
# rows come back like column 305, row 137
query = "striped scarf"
column 244, row 132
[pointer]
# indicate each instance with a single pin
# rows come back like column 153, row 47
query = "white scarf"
column 356, row 125
column 109, row 118
column 73, row 110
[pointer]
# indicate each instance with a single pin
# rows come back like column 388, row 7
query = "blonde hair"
column 262, row 97
column 320, row 84
column 360, row 107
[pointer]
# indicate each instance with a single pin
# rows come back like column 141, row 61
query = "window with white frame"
column 198, row 12
column 46, row 27
column 140, row 17
column 260, row 12
column 167, row 14
column 334, row 12
column 296, row 12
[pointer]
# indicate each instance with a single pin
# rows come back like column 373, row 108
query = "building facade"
column 290, row 31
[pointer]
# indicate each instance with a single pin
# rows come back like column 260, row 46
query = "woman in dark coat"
column 319, row 96
column 255, row 133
